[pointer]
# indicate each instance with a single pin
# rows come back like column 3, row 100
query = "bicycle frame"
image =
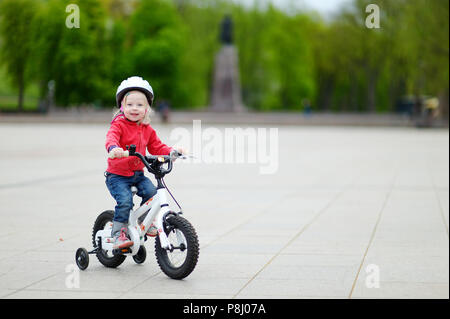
column 157, row 208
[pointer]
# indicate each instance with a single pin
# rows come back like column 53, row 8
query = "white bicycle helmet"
column 134, row 83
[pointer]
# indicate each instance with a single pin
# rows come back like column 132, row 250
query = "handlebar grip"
column 175, row 154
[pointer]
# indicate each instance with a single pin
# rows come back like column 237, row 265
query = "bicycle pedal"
column 121, row 251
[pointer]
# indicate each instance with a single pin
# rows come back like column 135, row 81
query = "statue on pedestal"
column 226, row 91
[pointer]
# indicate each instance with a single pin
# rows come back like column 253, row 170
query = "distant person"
column 428, row 113
column 307, row 110
column 164, row 111
column 130, row 125
column 417, row 109
column 431, row 110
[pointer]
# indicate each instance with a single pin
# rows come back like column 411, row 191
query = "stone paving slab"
column 342, row 199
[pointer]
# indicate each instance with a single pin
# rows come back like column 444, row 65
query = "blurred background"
column 346, row 197
column 293, row 56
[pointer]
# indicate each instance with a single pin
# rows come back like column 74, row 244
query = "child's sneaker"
column 152, row 231
column 122, row 241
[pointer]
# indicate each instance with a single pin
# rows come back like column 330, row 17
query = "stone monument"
column 226, row 90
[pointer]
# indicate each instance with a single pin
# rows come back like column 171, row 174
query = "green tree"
column 201, row 20
column 16, row 29
column 276, row 59
column 155, row 45
column 427, row 37
column 75, row 58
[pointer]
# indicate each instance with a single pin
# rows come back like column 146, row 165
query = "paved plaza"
column 350, row 212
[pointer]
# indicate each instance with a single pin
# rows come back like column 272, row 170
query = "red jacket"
column 124, row 132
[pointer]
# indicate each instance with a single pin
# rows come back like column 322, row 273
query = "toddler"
column 130, row 125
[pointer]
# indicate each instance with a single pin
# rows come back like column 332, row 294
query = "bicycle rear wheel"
column 106, row 258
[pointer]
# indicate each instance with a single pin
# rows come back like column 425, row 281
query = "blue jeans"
column 120, row 188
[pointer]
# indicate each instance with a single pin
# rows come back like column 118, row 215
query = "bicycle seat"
column 134, row 190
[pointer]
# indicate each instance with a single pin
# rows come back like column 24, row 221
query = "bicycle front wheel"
column 179, row 262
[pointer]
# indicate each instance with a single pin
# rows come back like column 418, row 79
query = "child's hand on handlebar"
column 117, row 152
column 176, row 152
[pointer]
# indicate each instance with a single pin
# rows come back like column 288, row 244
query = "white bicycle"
column 176, row 245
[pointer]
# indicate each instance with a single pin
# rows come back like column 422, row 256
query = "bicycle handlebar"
column 154, row 162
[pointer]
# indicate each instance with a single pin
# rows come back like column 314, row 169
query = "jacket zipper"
column 140, row 141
